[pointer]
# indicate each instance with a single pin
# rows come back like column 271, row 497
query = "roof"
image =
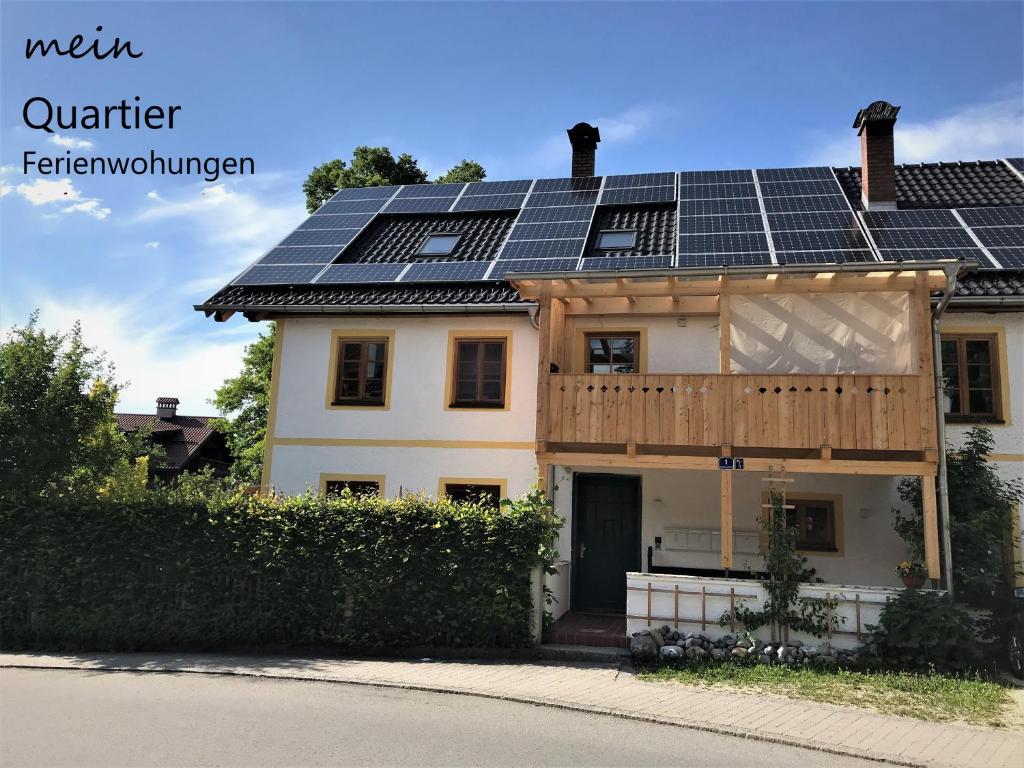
column 391, row 241
column 180, row 437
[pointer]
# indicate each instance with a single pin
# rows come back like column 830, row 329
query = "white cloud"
column 627, row 126
column 973, row 132
column 153, row 244
column 70, row 142
column 155, row 357
column 45, row 192
column 91, row 207
column 153, row 195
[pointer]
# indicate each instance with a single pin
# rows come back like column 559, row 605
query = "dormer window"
column 439, row 244
column 616, row 240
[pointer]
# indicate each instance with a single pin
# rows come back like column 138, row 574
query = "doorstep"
column 589, row 629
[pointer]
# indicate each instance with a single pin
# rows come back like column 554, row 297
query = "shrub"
column 180, row 569
column 920, row 632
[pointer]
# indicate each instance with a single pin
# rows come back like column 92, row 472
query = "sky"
column 677, row 86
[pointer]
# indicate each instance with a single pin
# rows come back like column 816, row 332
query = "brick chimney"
column 874, row 125
column 166, row 407
column 584, row 138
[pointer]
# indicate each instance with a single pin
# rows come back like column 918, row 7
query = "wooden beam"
column 726, row 518
column 922, row 313
column 544, row 312
column 931, row 526
column 724, row 332
column 648, row 305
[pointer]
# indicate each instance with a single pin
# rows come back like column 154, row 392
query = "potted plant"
column 912, row 573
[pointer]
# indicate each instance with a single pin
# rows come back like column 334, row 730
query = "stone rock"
column 796, row 644
column 727, row 639
column 763, row 659
column 674, row 635
column 740, row 652
column 744, row 643
column 718, row 654
column 644, row 632
column 665, row 630
column 780, row 653
column 657, row 638
column 825, row 649
column 643, row 648
column 690, row 642
column 671, row 653
column 699, row 654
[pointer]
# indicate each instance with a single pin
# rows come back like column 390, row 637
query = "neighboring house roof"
column 396, row 239
column 180, row 436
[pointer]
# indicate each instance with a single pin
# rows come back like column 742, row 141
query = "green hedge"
column 171, row 571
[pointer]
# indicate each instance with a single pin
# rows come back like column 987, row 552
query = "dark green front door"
column 606, row 540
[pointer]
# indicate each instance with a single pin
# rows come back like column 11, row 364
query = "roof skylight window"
column 438, row 245
column 616, row 240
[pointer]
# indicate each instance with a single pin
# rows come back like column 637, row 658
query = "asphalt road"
column 78, row 718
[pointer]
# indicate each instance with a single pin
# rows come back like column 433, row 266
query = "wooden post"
column 931, row 526
column 726, row 521
column 724, row 330
column 922, row 312
column 544, row 313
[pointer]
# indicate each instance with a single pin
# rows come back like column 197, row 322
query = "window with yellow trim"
column 970, row 370
column 815, row 524
column 361, row 375
column 612, row 353
column 488, row 494
column 480, row 370
column 357, row 487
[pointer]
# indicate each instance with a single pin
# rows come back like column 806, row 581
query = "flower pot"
column 913, row 582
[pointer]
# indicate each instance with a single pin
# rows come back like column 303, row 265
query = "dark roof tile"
column 945, row 185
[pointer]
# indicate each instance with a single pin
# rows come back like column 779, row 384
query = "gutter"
column 1004, row 303
column 940, row 422
column 368, row 309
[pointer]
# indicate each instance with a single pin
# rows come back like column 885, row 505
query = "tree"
column 981, row 509
column 58, row 433
column 244, row 402
column 376, row 167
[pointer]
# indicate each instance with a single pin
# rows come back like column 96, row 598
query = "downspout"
column 940, row 423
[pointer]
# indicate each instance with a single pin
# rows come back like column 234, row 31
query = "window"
column 361, row 378
column 438, row 245
column 357, row 487
column 479, row 378
column 971, row 371
column 815, row 522
column 612, row 354
column 472, row 492
column 616, row 240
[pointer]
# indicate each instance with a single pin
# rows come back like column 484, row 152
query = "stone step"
column 592, row 653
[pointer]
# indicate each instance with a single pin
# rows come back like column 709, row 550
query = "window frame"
column 994, row 341
column 800, row 511
column 455, row 338
column 500, row 483
column 421, row 253
column 605, row 249
column 588, row 335
column 834, row 500
column 335, row 360
column 331, row 477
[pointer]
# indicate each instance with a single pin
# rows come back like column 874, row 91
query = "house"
column 189, row 443
column 660, row 351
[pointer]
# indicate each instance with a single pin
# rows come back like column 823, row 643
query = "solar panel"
column 446, row 270
column 736, row 242
column 795, row 174
column 632, row 180
column 626, row 195
column 361, row 273
column 320, row 237
column 578, row 197
column 364, row 193
column 719, row 206
column 278, row 275
column 1009, row 258
column 596, row 263
column 790, row 188
column 716, row 260
column 490, row 202
column 307, row 255
column 915, row 219
column 419, row 205
column 714, row 191
column 921, row 238
column 806, row 204
column 1000, row 237
column 1016, row 162
column 714, row 177
column 430, row 190
column 819, row 240
column 542, row 249
column 992, row 217
column 556, row 213
column 498, row 187
column 576, row 183
column 523, row 266
column 783, row 222
column 336, row 221
column 351, row 206
column 824, row 257
column 933, row 254
column 556, row 230
column 749, row 222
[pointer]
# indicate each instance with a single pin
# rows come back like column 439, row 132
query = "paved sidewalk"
column 605, row 689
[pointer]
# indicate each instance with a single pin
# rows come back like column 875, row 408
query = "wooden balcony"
column 794, row 412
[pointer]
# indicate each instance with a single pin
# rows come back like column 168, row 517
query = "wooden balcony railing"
column 744, row 410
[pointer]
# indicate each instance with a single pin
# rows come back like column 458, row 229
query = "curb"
column 695, row 725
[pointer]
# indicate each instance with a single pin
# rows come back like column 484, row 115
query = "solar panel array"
column 764, row 217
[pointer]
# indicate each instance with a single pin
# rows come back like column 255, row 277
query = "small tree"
column 981, row 509
column 244, row 403
column 58, row 433
column 783, row 608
